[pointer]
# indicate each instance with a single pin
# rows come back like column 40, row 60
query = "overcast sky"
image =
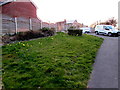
column 85, row 11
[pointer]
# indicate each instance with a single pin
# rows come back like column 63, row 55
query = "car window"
column 104, row 27
column 107, row 27
column 110, row 27
column 98, row 27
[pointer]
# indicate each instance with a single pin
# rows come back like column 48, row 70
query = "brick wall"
column 23, row 11
column 19, row 9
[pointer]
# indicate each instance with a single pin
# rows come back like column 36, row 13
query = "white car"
column 85, row 30
column 106, row 30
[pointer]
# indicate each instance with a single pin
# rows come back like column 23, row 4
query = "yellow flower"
column 23, row 44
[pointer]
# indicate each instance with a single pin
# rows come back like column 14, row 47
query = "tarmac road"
column 105, row 68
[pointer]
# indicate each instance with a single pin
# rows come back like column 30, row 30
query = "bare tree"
column 111, row 21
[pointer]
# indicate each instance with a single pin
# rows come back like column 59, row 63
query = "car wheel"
column 96, row 33
column 118, row 34
column 109, row 34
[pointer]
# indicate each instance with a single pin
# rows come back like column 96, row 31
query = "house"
column 66, row 24
column 45, row 24
column 19, row 16
column 53, row 25
column 73, row 23
column 61, row 25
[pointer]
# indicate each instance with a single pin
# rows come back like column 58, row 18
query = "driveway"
column 105, row 68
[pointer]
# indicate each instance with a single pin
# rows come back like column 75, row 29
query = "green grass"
column 60, row 61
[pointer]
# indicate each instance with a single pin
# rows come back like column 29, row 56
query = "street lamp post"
column 49, row 24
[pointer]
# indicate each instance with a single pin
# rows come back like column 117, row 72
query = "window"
column 107, row 27
column 98, row 27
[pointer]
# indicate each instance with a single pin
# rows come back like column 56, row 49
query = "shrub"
column 45, row 29
column 20, row 36
column 48, row 32
column 29, row 35
column 75, row 32
column 72, row 27
column 5, row 39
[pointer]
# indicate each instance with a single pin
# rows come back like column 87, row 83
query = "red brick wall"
column 19, row 9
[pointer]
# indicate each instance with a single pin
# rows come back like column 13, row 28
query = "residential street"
column 105, row 71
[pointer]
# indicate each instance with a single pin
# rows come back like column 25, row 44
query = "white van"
column 106, row 30
column 85, row 30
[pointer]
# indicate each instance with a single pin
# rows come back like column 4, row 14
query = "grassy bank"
column 57, row 61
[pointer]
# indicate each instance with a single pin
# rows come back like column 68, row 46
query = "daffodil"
column 23, row 44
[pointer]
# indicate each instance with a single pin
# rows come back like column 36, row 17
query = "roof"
column 2, row 2
column 61, row 22
column 5, row 2
column 70, row 21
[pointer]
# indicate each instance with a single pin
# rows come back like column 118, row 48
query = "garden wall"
column 23, row 24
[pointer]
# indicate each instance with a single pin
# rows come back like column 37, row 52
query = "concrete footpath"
column 105, row 71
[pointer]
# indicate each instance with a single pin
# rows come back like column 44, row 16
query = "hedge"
column 75, row 32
